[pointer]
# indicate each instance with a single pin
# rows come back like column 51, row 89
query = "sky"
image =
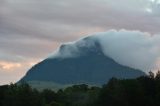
column 32, row 29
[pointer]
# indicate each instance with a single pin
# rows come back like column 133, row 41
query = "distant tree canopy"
column 143, row 91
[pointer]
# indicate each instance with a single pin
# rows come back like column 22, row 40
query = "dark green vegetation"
column 90, row 65
column 143, row 91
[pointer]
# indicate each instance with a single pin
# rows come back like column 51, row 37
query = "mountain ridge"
column 80, row 62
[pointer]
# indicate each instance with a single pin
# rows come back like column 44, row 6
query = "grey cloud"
column 28, row 48
column 30, row 16
column 52, row 20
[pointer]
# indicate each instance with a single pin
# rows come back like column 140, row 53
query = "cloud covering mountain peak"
column 135, row 49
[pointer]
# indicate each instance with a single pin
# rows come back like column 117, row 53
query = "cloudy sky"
column 31, row 29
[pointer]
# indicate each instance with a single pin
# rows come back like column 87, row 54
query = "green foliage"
column 143, row 91
column 21, row 95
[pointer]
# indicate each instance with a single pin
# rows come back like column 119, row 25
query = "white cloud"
column 132, row 48
column 135, row 49
column 154, row 7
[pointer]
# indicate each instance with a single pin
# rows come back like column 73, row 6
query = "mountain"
column 82, row 61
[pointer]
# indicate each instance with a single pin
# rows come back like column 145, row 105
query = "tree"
column 151, row 75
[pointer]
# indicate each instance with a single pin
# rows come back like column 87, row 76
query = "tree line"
column 142, row 91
